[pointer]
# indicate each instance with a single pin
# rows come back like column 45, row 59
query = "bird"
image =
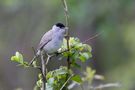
column 51, row 41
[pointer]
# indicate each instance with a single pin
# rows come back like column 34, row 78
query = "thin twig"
column 66, row 12
column 43, row 65
column 96, row 35
column 66, row 82
column 67, row 32
column 105, row 86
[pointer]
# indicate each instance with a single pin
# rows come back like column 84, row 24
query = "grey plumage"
column 51, row 40
column 45, row 39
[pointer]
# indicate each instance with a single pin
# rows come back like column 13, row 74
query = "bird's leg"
column 48, row 58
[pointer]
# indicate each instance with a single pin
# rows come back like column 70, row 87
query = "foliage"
column 89, row 75
column 18, row 58
column 56, row 78
column 78, row 51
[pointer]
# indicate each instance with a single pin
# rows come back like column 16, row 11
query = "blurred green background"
column 23, row 22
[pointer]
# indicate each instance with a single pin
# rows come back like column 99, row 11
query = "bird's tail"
column 37, row 54
column 33, row 60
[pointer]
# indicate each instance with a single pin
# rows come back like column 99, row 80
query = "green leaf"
column 82, row 58
column 87, row 47
column 39, row 83
column 77, row 79
column 57, row 72
column 40, row 76
column 36, row 87
column 14, row 58
column 89, row 75
column 34, row 63
column 85, row 56
column 76, row 65
column 49, row 87
column 50, row 81
column 56, row 78
column 61, row 70
column 17, row 58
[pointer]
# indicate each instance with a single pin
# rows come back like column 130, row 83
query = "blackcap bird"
column 51, row 40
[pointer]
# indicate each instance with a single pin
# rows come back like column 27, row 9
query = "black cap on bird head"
column 60, row 25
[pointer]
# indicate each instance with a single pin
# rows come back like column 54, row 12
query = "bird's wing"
column 45, row 39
